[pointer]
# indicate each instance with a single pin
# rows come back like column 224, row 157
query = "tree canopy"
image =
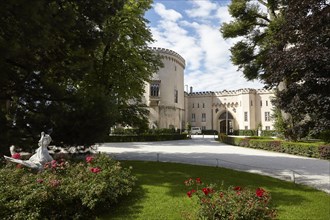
column 254, row 23
column 286, row 45
column 304, row 63
column 73, row 67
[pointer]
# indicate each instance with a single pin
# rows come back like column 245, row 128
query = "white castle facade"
column 172, row 107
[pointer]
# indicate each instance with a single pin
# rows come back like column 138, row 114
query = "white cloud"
column 223, row 14
column 198, row 40
column 167, row 14
column 201, row 9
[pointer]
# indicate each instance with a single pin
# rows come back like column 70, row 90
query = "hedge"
column 145, row 137
column 314, row 150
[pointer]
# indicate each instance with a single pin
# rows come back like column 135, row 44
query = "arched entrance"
column 226, row 123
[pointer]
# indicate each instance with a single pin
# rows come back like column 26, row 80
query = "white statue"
column 40, row 157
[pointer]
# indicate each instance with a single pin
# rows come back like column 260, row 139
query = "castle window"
column 193, row 105
column 266, row 103
column 203, row 117
column 245, row 116
column 203, row 105
column 267, row 128
column 193, row 117
column 197, row 105
column 260, row 103
column 267, row 116
column 176, row 96
column 251, row 103
column 154, row 89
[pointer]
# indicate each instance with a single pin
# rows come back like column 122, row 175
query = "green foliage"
column 250, row 132
column 302, row 67
column 63, row 65
column 256, row 29
column 210, row 132
column 231, row 203
column 160, row 193
column 324, row 152
column 145, row 137
column 315, row 150
column 65, row 190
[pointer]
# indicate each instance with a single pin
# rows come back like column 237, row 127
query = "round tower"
column 165, row 92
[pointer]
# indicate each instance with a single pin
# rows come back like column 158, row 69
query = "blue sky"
column 191, row 28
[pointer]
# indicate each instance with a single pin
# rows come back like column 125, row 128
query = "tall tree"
column 301, row 56
column 254, row 23
column 71, row 66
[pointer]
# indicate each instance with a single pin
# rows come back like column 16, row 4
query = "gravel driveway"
column 206, row 151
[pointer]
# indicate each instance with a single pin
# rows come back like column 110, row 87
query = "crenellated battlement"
column 231, row 92
column 165, row 51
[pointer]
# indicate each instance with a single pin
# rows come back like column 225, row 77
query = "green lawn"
column 161, row 194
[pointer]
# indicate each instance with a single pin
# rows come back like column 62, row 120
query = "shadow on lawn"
column 128, row 207
column 172, row 177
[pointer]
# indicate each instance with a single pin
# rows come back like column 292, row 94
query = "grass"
column 161, row 194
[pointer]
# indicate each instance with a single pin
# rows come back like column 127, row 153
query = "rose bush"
column 232, row 203
column 64, row 190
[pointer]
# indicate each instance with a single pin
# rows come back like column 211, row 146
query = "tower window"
column 176, row 94
column 154, row 89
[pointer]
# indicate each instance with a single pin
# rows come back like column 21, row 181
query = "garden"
column 97, row 186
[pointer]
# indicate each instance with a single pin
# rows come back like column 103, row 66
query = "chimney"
column 191, row 89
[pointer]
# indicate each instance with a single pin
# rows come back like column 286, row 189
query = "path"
column 206, row 151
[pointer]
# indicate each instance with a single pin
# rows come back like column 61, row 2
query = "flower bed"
column 231, row 203
column 64, row 190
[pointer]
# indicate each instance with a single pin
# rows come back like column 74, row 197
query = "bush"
column 314, row 150
column 268, row 133
column 247, row 132
column 210, row 132
column 231, row 203
column 146, row 137
column 324, row 152
column 64, row 190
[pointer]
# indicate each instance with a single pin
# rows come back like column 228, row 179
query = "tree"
column 302, row 59
column 255, row 23
column 284, row 48
column 72, row 67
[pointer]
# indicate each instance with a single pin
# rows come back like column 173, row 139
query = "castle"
column 172, row 107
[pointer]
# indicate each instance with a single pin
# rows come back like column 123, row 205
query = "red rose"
column 237, row 188
column 95, row 169
column 16, row 156
column 206, row 191
column 198, row 181
column 89, row 159
column 260, row 192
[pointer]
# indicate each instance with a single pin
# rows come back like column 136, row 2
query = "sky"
column 191, row 28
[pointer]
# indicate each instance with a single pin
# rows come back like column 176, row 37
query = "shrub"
column 231, row 203
column 210, row 132
column 64, row 190
column 247, row 132
column 268, row 133
column 145, row 137
column 324, row 152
